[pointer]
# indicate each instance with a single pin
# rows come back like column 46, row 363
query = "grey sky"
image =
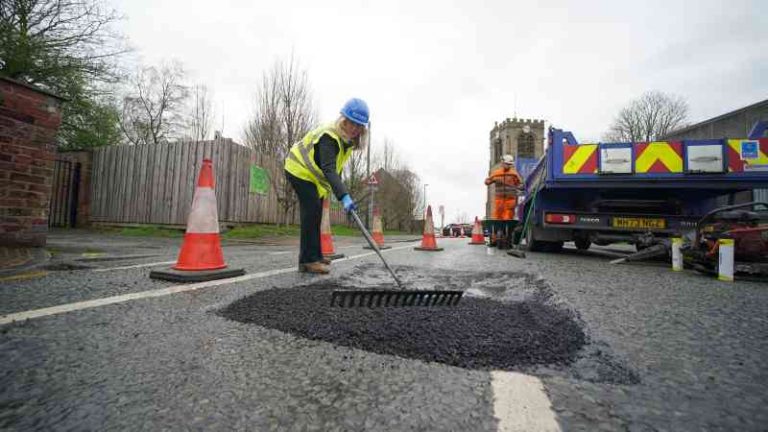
column 437, row 74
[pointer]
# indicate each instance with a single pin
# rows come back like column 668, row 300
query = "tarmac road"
column 661, row 350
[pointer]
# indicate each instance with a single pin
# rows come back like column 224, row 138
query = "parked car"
column 455, row 230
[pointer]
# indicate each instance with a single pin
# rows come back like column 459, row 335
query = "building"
column 522, row 138
column 735, row 124
column 29, row 122
column 395, row 198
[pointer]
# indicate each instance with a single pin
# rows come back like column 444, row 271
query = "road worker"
column 508, row 184
column 313, row 167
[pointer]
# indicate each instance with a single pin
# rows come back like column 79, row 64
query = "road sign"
column 372, row 181
column 749, row 150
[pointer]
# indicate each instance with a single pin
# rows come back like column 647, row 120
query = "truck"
column 634, row 192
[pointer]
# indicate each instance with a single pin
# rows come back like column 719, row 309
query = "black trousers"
column 310, row 214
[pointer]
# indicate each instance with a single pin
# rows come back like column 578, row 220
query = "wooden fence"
column 155, row 184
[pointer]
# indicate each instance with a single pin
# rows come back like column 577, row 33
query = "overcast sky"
column 437, row 74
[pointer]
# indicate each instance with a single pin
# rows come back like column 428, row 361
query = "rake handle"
column 373, row 245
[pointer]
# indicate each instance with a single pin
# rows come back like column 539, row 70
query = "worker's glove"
column 348, row 204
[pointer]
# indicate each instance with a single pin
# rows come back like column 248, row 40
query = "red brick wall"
column 29, row 121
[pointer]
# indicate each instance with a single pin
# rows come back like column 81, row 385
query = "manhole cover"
column 482, row 332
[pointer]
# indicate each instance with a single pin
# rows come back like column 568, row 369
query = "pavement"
column 89, row 342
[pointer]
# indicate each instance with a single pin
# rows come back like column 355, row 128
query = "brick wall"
column 29, row 122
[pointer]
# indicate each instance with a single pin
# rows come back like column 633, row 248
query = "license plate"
column 621, row 222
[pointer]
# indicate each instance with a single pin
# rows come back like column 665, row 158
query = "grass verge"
column 254, row 231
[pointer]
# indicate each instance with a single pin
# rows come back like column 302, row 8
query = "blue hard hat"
column 356, row 111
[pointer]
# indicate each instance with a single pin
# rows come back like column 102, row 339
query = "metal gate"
column 66, row 182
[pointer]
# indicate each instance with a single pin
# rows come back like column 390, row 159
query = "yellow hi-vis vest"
column 301, row 158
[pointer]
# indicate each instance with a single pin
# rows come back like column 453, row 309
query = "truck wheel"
column 531, row 244
column 582, row 244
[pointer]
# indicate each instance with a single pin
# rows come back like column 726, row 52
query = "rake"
column 391, row 298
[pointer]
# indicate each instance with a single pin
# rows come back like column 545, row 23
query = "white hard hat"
column 509, row 159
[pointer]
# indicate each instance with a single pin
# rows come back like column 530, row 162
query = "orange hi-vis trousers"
column 504, row 208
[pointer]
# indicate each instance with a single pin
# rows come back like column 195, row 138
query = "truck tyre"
column 531, row 244
column 582, row 244
column 534, row 245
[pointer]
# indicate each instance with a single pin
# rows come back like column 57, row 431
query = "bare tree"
column 461, row 218
column 389, row 158
column 72, row 48
column 152, row 111
column 354, row 176
column 648, row 118
column 49, row 42
column 201, row 113
column 284, row 113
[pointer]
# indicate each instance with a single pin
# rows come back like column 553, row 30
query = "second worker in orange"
column 508, row 184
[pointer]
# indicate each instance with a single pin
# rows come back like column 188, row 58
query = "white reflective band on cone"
column 203, row 218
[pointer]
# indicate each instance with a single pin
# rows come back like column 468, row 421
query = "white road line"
column 88, row 304
column 520, row 404
column 134, row 266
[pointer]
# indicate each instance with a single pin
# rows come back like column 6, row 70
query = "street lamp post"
column 369, row 214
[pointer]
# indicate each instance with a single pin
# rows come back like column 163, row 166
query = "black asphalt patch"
column 480, row 333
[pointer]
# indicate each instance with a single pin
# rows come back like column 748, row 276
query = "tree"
column 648, row 118
column 284, row 113
column 69, row 48
column 152, row 110
column 354, row 177
column 201, row 113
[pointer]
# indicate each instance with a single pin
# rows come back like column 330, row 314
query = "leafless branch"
column 152, row 110
column 648, row 118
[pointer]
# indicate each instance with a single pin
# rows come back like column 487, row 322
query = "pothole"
column 504, row 321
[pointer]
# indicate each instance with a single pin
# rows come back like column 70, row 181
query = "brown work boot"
column 325, row 261
column 315, row 267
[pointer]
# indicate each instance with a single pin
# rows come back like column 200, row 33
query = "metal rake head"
column 390, row 298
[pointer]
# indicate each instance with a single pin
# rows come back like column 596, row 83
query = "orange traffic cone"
column 428, row 242
column 326, row 238
column 200, row 258
column 377, row 232
column 477, row 234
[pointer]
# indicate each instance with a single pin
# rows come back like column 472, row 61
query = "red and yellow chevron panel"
column 659, row 157
column 580, row 159
column 735, row 161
